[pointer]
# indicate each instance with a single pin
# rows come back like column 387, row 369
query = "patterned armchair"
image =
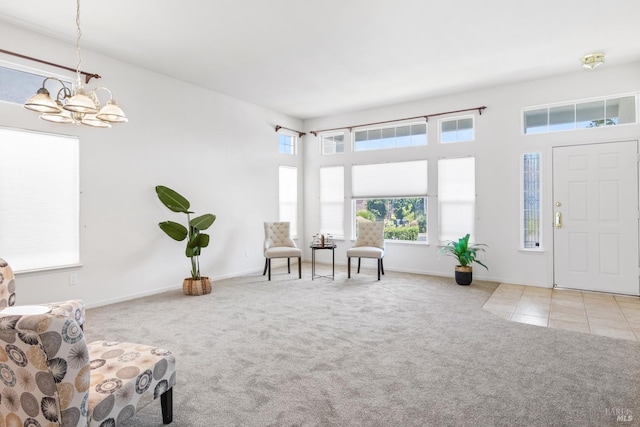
column 369, row 244
column 51, row 377
column 278, row 244
column 73, row 309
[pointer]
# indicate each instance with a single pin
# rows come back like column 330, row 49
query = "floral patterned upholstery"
column 49, row 376
column 278, row 244
column 369, row 244
column 73, row 309
column 7, row 285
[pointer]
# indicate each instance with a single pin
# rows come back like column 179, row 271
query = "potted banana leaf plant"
column 192, row 232
column 466, row 255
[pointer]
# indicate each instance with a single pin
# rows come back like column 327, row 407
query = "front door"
column 595, row 217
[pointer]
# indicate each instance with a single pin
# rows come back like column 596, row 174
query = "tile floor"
column 614, row 316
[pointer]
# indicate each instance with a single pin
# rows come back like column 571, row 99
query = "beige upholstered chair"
column 52, row 377
column 278, row 244
column 369, row 244
column 72, row 309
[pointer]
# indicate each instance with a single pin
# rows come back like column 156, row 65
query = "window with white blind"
column 332, row 201
column 395, row 193
column 531, row 197
column 456, row 198
column 288, row 197
column 39, row 200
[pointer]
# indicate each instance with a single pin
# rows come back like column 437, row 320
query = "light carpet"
column 409, row 350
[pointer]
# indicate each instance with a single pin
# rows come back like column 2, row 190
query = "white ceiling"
column 312, row 58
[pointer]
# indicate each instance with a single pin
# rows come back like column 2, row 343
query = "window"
column 17, row 86
column 332, row 201
column 394, row 193
column 531, row 207
column 332, row 144
column 456, row 198
column 288, row 197
column 456, row 130
column 287, row 143
column 408, row 135
column 39, row 200
column 581, row 115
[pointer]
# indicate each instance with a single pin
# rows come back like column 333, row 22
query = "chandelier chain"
column 79, row 35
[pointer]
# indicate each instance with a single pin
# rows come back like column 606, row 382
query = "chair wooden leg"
column 166, row 402
column 266, row 261
column 289, row 265
column 379, row 267
column 348, row 267
column 359, row 259
column 382, row 265
column 269, row 259
column 299, row 267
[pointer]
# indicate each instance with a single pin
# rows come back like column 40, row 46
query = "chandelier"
column 76, row 105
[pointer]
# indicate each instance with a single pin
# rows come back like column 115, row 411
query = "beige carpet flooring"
column 409, row 350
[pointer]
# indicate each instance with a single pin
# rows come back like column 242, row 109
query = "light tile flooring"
column 614, row 316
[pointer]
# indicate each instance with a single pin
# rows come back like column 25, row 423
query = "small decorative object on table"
column 322, row 241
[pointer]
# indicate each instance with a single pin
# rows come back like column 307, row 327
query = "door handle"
column 558, row 222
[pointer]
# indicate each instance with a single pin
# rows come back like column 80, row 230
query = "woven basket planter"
column 196, row 287
column 464, row 275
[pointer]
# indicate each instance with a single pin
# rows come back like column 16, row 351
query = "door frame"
column 548, row 206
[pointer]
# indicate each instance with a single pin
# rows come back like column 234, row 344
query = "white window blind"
column 332, row 200
column 288, row 197
column 456, row 198
column 389, row 180
column 39, row 200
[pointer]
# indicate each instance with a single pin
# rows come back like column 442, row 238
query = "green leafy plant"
column 196, row 240
column 464, row 252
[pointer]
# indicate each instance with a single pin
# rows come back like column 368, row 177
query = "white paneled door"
column 595, row 217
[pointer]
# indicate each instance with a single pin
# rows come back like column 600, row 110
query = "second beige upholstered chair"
column 369, row 244
column 278, row 244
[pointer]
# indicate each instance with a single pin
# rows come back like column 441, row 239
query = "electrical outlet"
column 73, row 279
column 246, row 253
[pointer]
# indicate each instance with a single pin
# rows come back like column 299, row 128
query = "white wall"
column 498, row 146
column 219, row 152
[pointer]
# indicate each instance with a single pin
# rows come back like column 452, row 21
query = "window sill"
column 47, row 269
column 532, row 250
